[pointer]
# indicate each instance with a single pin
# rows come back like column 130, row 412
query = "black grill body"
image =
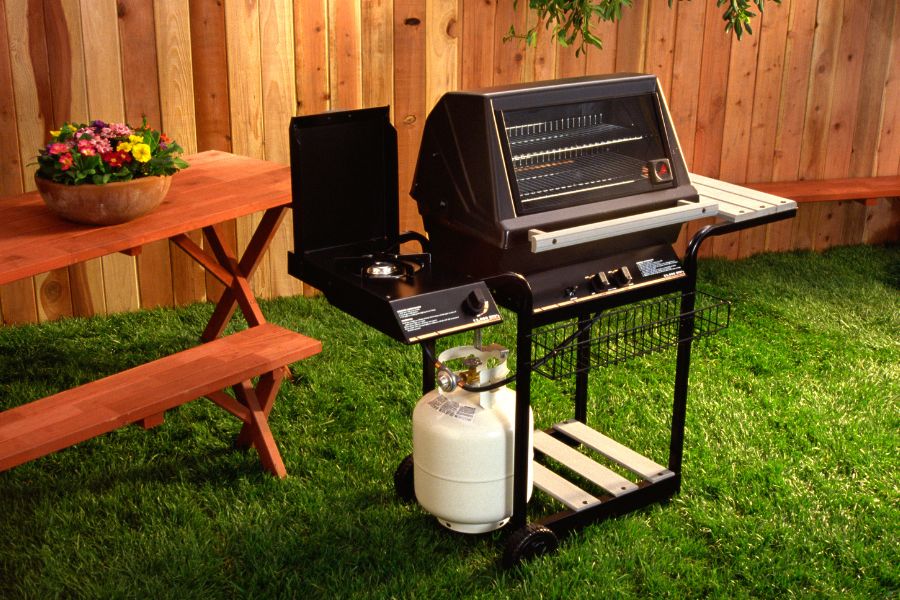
column 499, row 162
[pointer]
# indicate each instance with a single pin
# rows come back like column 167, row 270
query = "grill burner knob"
column 621, row 277
column 476, row 304
column 599, row 281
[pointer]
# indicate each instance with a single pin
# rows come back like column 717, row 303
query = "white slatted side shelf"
column 614, row 451
column 738, row 203
column 562, row 489
column 590, row 469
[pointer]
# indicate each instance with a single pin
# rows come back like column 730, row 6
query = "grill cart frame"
column 526, row 540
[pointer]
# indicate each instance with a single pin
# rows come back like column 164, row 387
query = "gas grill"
column 557, row 200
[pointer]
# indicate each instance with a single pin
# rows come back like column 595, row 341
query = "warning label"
column 452, row 408
column 655, row 267
column 414, row 318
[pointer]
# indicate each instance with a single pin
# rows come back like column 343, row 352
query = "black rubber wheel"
column 528, row 542
column 403, row 480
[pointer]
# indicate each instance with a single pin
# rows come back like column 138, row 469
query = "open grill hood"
column 497, row 164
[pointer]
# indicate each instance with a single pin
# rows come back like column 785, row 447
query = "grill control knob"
column 621, row 276
column 476, row 304
column 599, row 281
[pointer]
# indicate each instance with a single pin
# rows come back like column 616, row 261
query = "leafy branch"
column 571, row 20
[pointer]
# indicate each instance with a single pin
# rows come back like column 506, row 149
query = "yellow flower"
column 141, row 152
column 55, row 133
column 135, row 139
column 124, row 147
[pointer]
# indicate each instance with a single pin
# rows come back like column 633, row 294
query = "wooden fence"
column 814, row 93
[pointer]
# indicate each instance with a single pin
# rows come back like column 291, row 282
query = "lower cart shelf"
column 613, row 484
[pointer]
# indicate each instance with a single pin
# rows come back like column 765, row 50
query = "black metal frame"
column 512, row 290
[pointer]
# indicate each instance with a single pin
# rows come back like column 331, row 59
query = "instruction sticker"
column 452, row 408
column 655, row 267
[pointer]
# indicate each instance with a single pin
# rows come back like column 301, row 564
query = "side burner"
column 346, row 232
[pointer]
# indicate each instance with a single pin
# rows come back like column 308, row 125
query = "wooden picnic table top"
column 217, row 187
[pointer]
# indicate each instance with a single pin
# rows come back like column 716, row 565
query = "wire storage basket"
column 614, row 336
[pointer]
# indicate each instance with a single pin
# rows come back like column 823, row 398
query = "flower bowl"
column 107, row 204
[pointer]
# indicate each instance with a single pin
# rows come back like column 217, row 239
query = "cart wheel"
column 527, row 543
column 403, row 480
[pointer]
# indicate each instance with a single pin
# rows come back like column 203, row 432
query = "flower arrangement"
column 102, row 152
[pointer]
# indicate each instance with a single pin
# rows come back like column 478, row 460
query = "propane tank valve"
column 446, row 379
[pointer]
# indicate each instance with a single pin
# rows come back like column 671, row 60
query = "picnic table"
column 216, row 188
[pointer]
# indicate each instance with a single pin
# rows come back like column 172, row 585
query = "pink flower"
column 86, row 147
column 119, row 130
column 102, row 145
column 57, row 148
column 65, row 161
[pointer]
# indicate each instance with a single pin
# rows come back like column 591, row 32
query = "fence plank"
column 52, row 288
column 818, row 112
column 772, row 33
column 106, row 100
column 378, row 52
column 345, row 39
column 140, row 79
column 662, row 21
column 834, row 217
column 311, row 48
column 177, row 117
column 709, row 132
column 85, row 279
column 442, row 43
column 540, row 60
column 410, row 53
column 685, row 92
column 887, row 157
column 311, row 63
column 10, row 161
column 847, row 79
column 738, row 115
column 279, row 104
column 633, row 28
column 212, row 120
column 478, row 42
column 602, row 61
column 876, row 66
column 242, row 34
column 10, row 164
column 509, row 57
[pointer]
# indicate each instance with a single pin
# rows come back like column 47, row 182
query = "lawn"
column 792, row 440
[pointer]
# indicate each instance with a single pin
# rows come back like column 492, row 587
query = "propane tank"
column 463, row 444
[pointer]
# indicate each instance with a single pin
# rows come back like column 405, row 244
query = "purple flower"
column 98, row 125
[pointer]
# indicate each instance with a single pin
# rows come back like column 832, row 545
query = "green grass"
column 790, row 485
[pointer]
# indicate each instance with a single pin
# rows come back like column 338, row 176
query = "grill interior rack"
column 602, row 333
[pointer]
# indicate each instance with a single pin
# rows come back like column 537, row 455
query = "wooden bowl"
column 106, row 204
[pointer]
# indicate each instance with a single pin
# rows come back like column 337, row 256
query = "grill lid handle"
column 542, row 241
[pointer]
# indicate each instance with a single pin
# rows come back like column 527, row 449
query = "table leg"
column 259, row 430
column 239, row 293
column 266, row 389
